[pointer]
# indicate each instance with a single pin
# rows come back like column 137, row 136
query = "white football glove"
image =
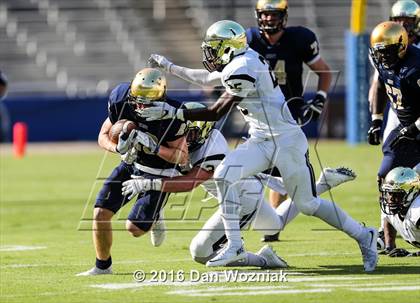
column 161, row 62
column 130, row 156
column 125, row 142
column 161, row 111
column 139, row 185
column 143, row 139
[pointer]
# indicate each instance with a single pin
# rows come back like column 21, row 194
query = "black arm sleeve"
column 213, row 113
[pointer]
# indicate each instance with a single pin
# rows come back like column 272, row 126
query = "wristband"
column 322, row 93
column 156, row 184
column 180, row 114
column 377, row 117
column 417, row 123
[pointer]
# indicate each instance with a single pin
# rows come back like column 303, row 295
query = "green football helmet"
column 197, row 131
column 407, row 13
column 399, row 189
column 224, row 40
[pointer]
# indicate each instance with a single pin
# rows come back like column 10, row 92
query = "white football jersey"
column 264, row 107
column 409, row 228
column 211, row 154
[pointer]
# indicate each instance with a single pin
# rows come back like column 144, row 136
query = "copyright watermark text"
column 163, row 276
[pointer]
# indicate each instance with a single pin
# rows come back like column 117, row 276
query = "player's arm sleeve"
column 186, row 183
column 240, row 85
column 215, row 111
column 310, row 47
column 200, row 77
column 113, row 108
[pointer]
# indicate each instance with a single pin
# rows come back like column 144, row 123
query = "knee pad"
column 200, row 250
column 308, row 207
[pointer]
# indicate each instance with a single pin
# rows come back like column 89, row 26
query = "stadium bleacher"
column 85, row 47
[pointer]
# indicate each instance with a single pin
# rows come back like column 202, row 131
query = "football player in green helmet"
column 400, row 205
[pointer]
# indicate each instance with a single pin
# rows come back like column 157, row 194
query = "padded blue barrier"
column 59, row 118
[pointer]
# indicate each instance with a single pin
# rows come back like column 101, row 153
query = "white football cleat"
column 94, row 271
column 368, row 248
column 332, row 177
column 271, row 258
column 158, row 232
column 226, row 255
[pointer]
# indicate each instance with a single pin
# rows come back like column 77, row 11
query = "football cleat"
column 332, row 177
column 380, row 243
column 94, row 271
column 158, row 232
column 271, row 258
column 368, row 248
column 271, row 238
column 226, row 255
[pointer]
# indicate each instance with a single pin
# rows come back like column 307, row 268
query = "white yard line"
column 205, row 293
column 20, row 247
column 89, row 264
column 389, row 288
column 118, row 286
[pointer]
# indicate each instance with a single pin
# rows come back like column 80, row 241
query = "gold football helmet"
column 388, row 43
column 198, row 131
column 148, row 85
column 407, row 13
column 400, row 188
column 274, row 24
column 224, row 40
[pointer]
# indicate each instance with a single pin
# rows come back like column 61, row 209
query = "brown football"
column 121, row 125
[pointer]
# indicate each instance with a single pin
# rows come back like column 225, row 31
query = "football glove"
column 125, row 142
column 142, row 139
column 408, row 133
column 314, row 106
column 161, row 62
column 130, row 156
column 374, row 132
column 161, row 111
column 139, row 185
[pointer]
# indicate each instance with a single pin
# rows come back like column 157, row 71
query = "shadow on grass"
column 399, row 269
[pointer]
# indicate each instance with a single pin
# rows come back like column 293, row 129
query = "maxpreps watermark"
column 237, row 276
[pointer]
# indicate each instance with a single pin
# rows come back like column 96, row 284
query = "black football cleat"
column 271, row 238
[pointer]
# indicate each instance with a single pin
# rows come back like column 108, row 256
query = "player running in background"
column 157, row 147
column 398, row 67
column 286, row 49
column 400, row 205
column 207, row 148
column 276, row 140
column 406, row 13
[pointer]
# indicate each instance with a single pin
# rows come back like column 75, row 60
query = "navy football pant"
column 145, row 210
column 406, row 154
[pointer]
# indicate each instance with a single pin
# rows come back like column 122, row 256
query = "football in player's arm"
column 153, row 149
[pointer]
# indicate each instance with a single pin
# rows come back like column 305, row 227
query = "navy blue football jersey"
column 161, row 131
column 402, row 85
column 296, row 46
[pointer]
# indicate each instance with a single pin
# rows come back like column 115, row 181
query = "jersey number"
column 280, row 72
column 395, row 95
column 272, row 76
column 315, row 48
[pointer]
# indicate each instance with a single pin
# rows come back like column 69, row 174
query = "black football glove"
column 408, row 133
column 315, row 106
column 374, row 132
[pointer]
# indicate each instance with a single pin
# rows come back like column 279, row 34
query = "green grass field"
column 45, row 195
